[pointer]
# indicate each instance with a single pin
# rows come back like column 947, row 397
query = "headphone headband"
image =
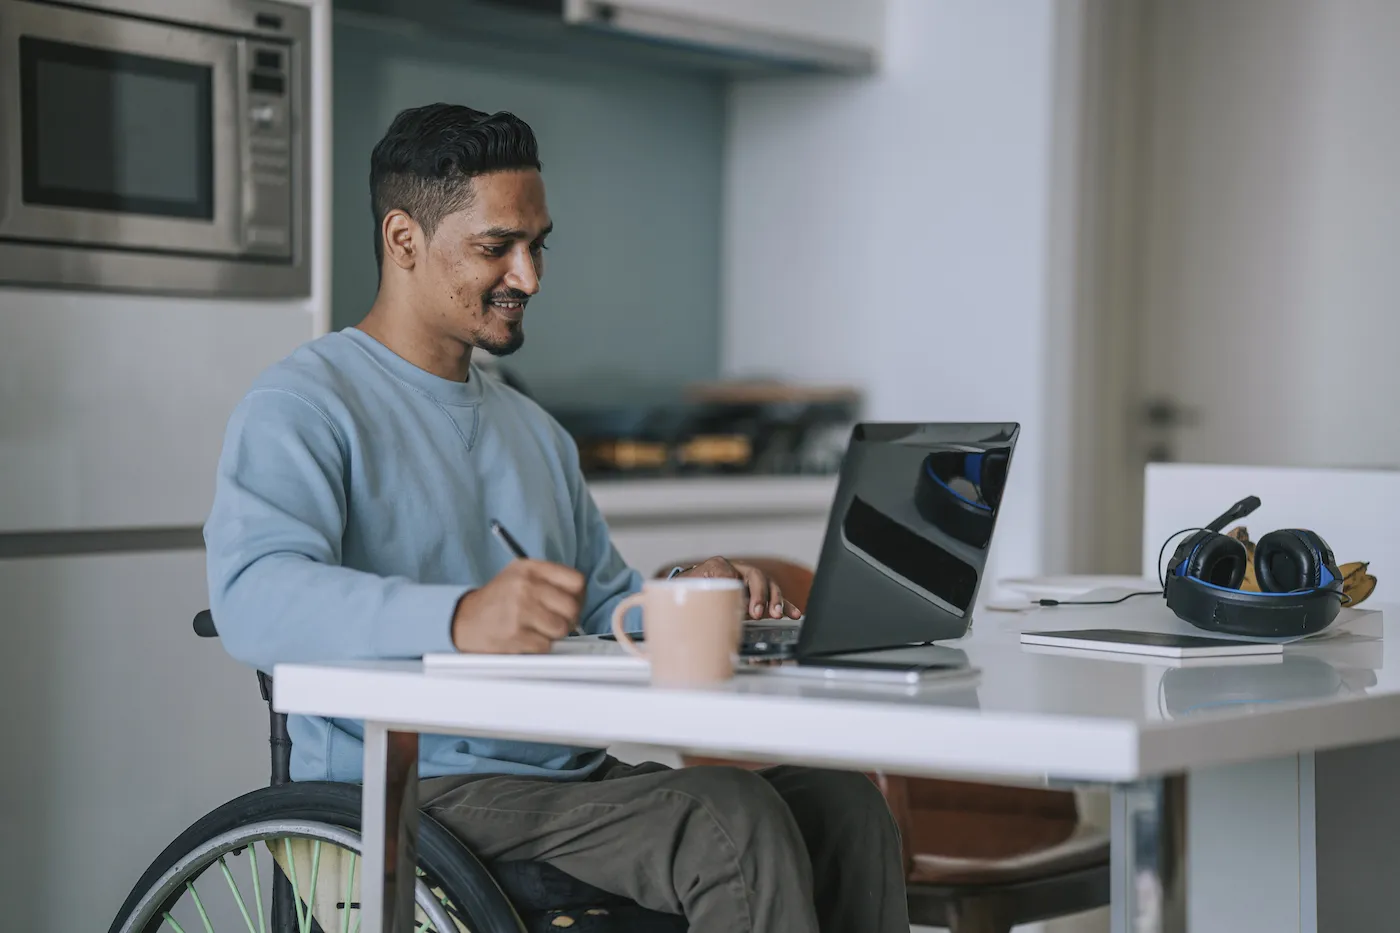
column 1259, row 615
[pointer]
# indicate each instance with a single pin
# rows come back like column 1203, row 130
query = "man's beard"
column 515, row 330
column 513, row 341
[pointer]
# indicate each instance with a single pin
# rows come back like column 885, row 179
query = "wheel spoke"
column 257, row 888
column 360, row 911
column 171, row 920
column 203, row 915
column 242, row 907
column 349, row 892
column 315, row 877
column 296, row 888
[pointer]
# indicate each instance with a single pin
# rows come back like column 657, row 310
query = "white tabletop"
column 1028, row 715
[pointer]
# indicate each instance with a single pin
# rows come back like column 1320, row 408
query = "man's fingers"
column 556, row 602
column 533, row 643
column 775, row 600
column 549, row 623
column 757, row 585
column 565, row 578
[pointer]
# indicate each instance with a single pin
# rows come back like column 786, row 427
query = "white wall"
column 894, row 232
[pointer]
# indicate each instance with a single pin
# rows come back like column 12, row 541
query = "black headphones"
column 1301, row 587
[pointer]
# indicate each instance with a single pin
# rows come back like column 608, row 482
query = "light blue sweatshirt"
column 351, row 513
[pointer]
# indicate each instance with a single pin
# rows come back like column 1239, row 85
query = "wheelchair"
column 283, row 859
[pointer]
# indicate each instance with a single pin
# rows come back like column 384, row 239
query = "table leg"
column 1149, row 856
column 389, row 830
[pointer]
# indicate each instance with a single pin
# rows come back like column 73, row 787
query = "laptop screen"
column 908, row 536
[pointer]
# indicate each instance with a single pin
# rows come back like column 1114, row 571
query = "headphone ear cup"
column 1293, row 559
column 1217, row 559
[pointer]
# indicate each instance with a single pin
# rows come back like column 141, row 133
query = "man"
column 351, row 519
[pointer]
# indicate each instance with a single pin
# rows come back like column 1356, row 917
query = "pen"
column 508, row 540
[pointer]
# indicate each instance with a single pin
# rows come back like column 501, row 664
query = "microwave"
column 155, row 146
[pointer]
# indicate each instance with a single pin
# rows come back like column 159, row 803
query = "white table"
column 1029, row 716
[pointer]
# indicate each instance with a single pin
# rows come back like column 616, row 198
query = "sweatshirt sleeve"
column 276, row 587
column 610, row 580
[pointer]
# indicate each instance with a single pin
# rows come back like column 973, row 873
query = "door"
column 1262, row 202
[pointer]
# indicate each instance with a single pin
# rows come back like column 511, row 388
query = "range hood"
column 675, row 33
column 685, row 29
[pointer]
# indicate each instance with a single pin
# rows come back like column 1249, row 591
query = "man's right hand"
column 523, row 610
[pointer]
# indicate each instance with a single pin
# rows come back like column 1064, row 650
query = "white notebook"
column 1158, row 644
column 570, row 659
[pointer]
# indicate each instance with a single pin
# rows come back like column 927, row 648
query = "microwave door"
column 127, row 132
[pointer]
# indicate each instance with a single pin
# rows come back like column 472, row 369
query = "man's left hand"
column 765, row 598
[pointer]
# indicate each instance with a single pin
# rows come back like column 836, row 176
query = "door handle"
column 1161, row 417
column 1169, row 413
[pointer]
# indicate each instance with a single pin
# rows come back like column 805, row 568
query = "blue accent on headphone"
column 1180, row 568
column 928, row 468
column 972, row 469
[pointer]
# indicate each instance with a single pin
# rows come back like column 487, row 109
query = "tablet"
column 1158, row 644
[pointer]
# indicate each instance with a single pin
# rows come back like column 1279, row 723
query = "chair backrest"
column 278, row 740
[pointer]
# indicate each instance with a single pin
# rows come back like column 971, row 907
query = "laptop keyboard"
column 759, row 639
column 775, row 635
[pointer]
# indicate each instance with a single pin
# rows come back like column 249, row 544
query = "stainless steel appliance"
column 156, row 146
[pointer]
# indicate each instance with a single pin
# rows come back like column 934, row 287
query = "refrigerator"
column 122, row 727
column 164, row 227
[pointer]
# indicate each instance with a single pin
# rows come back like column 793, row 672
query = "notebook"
column 582, row 658
column 1157, row 644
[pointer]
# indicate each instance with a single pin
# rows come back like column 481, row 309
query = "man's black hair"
column 426, row 161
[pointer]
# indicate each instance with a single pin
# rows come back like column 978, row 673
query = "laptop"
column 906, row 545
column 905, row 549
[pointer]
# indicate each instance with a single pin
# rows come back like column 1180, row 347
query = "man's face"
column 484, row 262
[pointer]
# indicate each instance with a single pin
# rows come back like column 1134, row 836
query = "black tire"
column 448, row 863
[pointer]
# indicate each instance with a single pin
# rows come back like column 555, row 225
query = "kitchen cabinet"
column 841, row 35
column 115, row 405
column 123, row 728
column 657, row 522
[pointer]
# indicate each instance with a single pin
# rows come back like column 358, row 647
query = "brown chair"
column 979, row 858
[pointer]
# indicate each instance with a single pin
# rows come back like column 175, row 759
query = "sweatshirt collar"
column 443, row 390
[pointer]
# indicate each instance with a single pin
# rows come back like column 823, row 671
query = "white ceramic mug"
column 693, row 628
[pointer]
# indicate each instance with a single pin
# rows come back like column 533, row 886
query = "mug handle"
column 619, row 632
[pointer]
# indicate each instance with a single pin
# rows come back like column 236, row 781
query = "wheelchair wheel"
column 219, row 874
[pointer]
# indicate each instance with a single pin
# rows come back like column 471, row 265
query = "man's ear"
column 403, row 238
